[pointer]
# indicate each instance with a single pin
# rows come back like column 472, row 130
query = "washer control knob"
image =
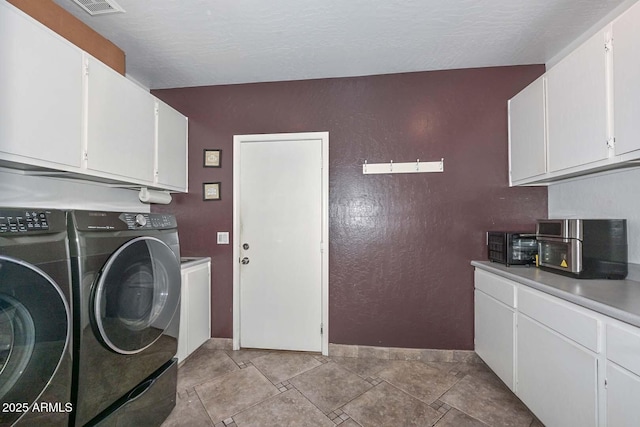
column 141, row 221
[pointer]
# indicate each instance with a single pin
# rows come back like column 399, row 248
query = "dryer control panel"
column 116, row 221
column 23, row 221
column 148, row 221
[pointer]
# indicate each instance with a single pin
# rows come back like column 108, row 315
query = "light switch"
column 223, row 237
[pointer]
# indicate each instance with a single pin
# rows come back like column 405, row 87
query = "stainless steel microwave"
column 583, row 248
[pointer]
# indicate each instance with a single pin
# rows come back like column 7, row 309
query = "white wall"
column 611, row 195
column 19, row 190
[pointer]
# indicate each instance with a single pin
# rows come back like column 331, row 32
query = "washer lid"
column 137, row 295
column 34, row 333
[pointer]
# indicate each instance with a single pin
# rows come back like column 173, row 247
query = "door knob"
column 245, row 260
column 245, row 246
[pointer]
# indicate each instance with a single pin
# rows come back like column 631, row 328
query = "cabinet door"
column 527, row 138
column 556, row 378
column 623, row 390
column 120, row 126
column 171, row 148
column 626, row 81
column 198, row 284
column 494, row 336
column 577, row 107
column 40, row 94
column 183, row 347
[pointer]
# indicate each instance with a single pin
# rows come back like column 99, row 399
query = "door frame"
column 237, row 141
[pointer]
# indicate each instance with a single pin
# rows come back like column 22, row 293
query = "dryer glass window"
column 138, row 293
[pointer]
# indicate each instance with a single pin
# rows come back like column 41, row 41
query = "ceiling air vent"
column 99, row 7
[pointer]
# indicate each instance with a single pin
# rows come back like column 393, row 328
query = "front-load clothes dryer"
column 126, row 281
column 35, row 318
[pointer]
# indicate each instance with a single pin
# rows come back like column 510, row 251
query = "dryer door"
column 35, row 331
column 137, row 295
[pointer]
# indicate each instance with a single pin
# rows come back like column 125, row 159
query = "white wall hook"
column 413, row 167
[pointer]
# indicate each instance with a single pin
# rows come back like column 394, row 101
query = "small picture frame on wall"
column 212, row 158
column 211, row 191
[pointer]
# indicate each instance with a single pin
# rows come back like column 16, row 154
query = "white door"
column 280, row 202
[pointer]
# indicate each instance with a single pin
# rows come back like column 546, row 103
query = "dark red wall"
column 400, row 245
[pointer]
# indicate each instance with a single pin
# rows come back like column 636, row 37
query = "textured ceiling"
column 178, row 43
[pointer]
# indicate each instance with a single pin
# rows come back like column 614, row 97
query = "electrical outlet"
column 223, row 237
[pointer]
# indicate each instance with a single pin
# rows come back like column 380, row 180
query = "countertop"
column 619, row 299
column 192, row 261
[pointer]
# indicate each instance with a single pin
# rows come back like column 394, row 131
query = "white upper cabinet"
column 527, row 134
column 120, row 125
column 63, row 110
column 40, row 94
column 577, row 109
column 626, row 81
column 171, row 172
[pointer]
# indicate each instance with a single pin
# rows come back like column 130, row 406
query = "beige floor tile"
column 289, row 409
column 483, row 396
column 188, row 412
column 385, row 405
column 472, row 368
column 246, row 355
column 363, row 367
column 330, row 386
column 425, row 381
column 350, row 423
column 283, row 365
column 536, row 423
column 204, row 365
column 455, row 418
column 236, row 391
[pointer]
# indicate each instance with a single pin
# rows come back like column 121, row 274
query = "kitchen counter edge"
column 618, row 299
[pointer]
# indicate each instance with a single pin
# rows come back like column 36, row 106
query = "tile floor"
column 268, row 388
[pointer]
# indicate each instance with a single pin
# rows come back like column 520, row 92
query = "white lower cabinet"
column 195, row 307
column 623, row 397
column 570, row 365
column 623, row 375
column 495, row 325
column 494, row 336
column 556, row 378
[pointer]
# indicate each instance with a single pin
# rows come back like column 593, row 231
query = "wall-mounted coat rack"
column 408, row 167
